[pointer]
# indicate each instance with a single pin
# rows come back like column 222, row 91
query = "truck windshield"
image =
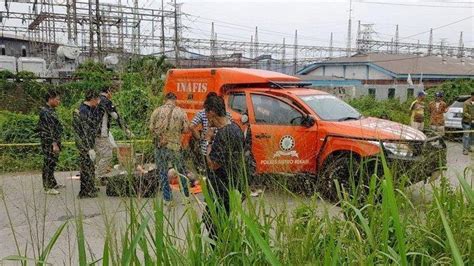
column 329, row 107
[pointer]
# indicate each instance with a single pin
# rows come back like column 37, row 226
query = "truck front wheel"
column 341, row 174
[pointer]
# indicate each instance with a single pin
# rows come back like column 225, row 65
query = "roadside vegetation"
column 386, row 228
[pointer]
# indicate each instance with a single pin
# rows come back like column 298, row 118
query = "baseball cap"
column 170, row 96
column 421, row 93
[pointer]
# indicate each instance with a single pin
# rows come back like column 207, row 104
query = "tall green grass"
column 385, row 228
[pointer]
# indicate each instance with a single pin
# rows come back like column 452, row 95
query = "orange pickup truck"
column 294, row 129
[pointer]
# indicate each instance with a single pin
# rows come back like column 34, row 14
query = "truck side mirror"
column 308, row 121
column 244, row 119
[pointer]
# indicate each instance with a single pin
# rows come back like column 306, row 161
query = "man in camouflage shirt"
column 167, row 124
column 437, row 109
column 417, row 112
column 50, row 131
column 86, row 125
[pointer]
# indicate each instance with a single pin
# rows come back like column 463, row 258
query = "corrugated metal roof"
column 412, row 64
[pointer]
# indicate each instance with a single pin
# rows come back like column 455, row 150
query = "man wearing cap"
column 437, row 109
column 468, row 124
column 167, row 124
column 417, row 109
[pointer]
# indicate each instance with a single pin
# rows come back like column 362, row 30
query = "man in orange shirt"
column 437, row 109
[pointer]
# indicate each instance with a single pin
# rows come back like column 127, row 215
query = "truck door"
column 280, row 143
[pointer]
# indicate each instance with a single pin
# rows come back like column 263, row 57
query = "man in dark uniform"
column 49, row 131
column 103, row 146
column 225, row 160
column 86, row 123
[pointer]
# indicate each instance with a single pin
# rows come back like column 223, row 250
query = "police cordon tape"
column 69, row 143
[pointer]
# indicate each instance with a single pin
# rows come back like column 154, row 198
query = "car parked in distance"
column 453, row 117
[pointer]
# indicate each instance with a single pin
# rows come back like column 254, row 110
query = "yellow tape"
column 149, row 141
column 459, row 131
column 68, row 143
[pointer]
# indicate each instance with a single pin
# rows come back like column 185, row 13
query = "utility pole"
column 98, row 19
column 213, row 45
column 330, row 46
column 283, row 57
column 430, row 42
column 251, row 47
column 256, row 42
column 162, row 27
column 176, row 35
column 91, row 31
column 460, row 46
column 397, row 39
column 349, row 30
column 443, row 46
column 74, row 15
column 295, row 54
column 358, row 37
column 135, row 30
column 68, row 20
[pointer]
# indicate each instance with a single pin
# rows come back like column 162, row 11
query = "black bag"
column 145, row 186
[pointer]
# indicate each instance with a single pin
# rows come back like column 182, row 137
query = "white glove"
column 92, row 155
column 114, row 115
column 129, row 133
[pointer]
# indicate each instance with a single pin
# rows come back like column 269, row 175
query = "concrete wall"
column 317, row 72
column 356, row 72
column 382, row 91
column 13, row 47
column 334, row 71
column 375, row 74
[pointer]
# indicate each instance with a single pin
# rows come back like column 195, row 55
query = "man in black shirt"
column 86, row 125
column 225, row 160
column 50, row 130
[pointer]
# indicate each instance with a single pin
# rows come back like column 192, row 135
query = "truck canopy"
column 192, row 85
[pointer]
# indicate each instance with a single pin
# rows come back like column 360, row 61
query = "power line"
column 439, row 27
column 411, row 5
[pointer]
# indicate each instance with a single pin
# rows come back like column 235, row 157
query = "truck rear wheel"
column 341, row 174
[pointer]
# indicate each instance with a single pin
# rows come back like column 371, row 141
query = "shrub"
column 135, row 108
column 17, row 128
column 452, row 89
column 392, row 108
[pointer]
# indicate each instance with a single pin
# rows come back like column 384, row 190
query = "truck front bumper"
column 428, row 157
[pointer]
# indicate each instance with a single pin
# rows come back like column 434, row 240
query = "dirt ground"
column 35, row 217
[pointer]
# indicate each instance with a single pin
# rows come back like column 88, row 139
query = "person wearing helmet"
column 437, row 108
column 417, row 109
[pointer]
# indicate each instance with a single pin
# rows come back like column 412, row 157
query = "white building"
column 385, row 75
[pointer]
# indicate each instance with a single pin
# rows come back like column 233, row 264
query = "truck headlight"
column 398, row 149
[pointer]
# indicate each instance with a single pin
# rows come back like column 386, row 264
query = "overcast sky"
column 316, row 19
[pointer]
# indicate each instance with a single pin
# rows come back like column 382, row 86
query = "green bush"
column 135, row 108
column 17, row 128
column 452, row 89
column 391, row 108
column 6, row 74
